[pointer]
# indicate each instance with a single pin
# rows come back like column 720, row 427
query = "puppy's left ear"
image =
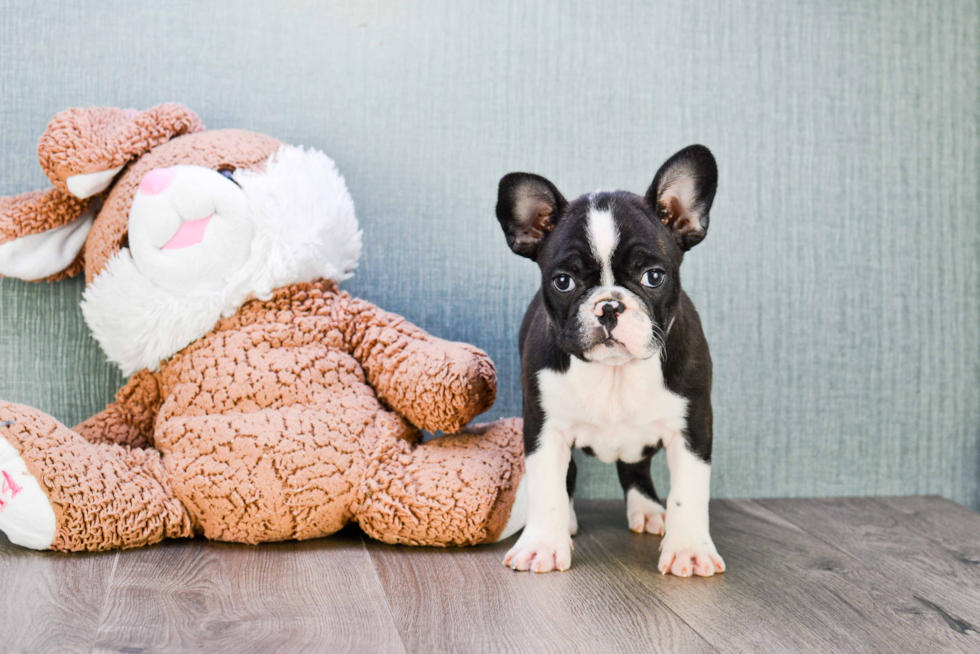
column 682, row 192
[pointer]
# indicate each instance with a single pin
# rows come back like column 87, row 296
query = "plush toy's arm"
column 42, row 235
column 129, row 420
column 436, row 384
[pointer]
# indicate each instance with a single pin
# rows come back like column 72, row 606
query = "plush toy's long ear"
column 42, row 234
column 83, row 149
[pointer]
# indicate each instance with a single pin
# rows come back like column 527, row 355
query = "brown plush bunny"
column 264, row 404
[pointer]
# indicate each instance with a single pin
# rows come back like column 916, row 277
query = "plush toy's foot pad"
column 26, row 515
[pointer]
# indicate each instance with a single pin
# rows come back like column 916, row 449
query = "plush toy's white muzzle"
column 200, row 245
column 189, row 228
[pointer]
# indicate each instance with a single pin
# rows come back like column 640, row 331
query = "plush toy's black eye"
column 563, row 283
column 653, row 278
column 228, row 171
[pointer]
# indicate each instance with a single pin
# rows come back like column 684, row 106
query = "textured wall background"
column 838, row 285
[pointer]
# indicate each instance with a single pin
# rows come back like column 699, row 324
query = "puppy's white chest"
column 616, row 411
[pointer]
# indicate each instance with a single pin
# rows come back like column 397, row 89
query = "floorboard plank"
column 200, row 595
column 928, row 546
column 871, row 574
column 465, row 600
column 49, row 601
column 945, row 522
column 784, row 590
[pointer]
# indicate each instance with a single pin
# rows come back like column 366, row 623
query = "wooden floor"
column 888, row 574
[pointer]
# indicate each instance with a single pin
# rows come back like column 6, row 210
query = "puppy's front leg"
column 545, row 544
column 687, row 547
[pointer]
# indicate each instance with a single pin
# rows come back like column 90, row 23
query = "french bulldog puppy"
column 614, row 360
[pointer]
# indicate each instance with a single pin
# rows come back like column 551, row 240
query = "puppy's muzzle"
column 608, row 311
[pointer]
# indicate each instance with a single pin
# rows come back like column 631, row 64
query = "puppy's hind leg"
column 644, row 510
column 570, row 486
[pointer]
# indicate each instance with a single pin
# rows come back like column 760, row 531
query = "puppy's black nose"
column 610, row 310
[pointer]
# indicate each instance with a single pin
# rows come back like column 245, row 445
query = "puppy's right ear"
column 528, row 208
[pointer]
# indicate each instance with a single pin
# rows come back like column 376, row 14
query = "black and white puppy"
column 613, row 357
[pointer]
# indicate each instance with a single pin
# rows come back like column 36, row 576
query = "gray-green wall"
column 838, row 285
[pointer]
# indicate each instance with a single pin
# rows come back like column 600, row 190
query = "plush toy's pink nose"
column 157, row 180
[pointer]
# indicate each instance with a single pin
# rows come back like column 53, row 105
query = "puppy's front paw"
column 644, row 515
column 683, row 556
column 540, row 553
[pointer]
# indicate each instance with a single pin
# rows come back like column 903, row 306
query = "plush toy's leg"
column 269, row 475
column 26, row 515
column 58, row 491
column 452, row 490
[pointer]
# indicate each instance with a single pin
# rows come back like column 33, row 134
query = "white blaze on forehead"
column 603, row 238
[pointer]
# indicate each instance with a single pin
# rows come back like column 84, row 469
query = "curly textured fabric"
column 453, row 491
column 128, row 421
column 39, row 211
column 269, row 428
column 103, row 496
column 235, row 148
column 80, row 141
column 293, row 416
column 434, row 387
column 83, row 141
column 272, row 421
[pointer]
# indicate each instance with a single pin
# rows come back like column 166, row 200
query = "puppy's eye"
column 653, row 278
column 227, row 170
column 563, row 283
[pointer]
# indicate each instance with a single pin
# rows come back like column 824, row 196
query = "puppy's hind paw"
column 644, row 515
column 540, row 554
